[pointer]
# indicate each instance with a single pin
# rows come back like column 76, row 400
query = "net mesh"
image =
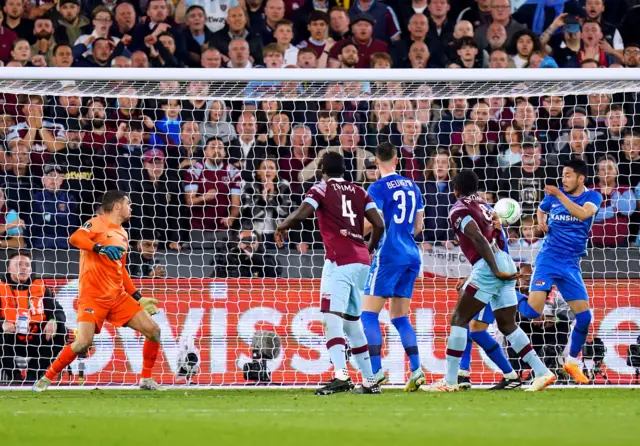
column 212, row 167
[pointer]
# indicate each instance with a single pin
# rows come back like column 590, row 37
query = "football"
column 509, row 210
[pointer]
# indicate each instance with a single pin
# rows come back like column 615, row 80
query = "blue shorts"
column 549, row 270
column 487, row 288
column 391, row 280
column 485, row 315
column 342, row 287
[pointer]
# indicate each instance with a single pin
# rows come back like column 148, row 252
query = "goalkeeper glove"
column 113, row 252
column 147, row 303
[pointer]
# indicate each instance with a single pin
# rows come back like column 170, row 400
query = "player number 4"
column 347, row 211
column 401, row 196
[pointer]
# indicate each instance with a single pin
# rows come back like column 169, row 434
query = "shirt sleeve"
column 460, row 218
column 545, row 206
column 315, row 197
column 375, row 195
column 419, row 198
column 393, row 25
column 595, row 198
column 369, row 203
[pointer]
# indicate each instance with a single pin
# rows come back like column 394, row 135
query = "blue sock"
column 465, row 361
column 373, row 333
column 527, row 310
column 579, row 333
column 409, row 341
column 492, row 349
column 455, row 348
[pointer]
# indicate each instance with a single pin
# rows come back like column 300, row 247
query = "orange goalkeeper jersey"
column 101, row 278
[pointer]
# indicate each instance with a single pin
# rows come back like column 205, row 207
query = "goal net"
column 213, row 164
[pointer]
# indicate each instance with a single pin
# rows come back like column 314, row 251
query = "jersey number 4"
column 347, row 211
column 400, row 196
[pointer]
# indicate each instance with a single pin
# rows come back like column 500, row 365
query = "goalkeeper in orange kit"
column 106, row 292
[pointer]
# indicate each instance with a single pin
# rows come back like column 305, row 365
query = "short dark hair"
column 466, row 183
column 284, row 22
column 578, row 166
column 194, row 7
column 18, row 252
column 60, row 45
column 466, row 41
column 386, row 151
column 316, row 15
column 332, row 164
column 110, row 198
column 348, row 44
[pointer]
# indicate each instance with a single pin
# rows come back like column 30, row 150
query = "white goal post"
column 67, row 135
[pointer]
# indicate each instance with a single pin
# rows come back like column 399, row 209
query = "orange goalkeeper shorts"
column 118, row 311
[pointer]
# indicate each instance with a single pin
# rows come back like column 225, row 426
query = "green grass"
column 297, row 417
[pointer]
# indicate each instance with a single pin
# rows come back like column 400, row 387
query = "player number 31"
column 401, row 196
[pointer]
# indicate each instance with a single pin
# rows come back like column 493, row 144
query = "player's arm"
column 542, row 219
column 83, row 239
column 147, row 303
column 377, row 226
column 481, row 244
column 418, row 224
column 588, row 210
column 305, row 211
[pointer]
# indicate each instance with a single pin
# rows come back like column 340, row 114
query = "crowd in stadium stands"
column 205, row 174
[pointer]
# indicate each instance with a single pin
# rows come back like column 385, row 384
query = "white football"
column 508, row 210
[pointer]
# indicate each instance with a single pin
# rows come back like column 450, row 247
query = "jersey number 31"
column 400, row 196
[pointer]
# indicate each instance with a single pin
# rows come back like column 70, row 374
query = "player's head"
column 574, row 175
column 116, row 203
column 332, row 165
column 465, row 184
column 387, row 155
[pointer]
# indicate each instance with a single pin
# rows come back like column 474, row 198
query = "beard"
column 349, row 63
column 97, row 123
column 43, row 35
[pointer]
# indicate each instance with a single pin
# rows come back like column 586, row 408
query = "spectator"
column 598, row 108
column 468, row 52
column 439, row 25
column 102, row 53
column 247, row 150
column 196, row 34
column 525, row 119
column 631, row 55
column 629, row 159
column 284, row 35
column 96, row 136
column 55, row 212
column 525, row 181
column 611, row 224
column 452, row 120
column 354, row 156
column 125, row 20
column 297, row 161
column 496, row 36
column 246, row 259
column 349, row 56
column 551, row 116
column 578, row 147
column 265, row 201
column 255, row 11
column 121, row 62
column 362, row 29
column 239, row 54
column 385, row 22
column 43, row 32
column 474, row 155
column 11, row 225
column 211, row 58
column 143, row 262
column 235, row 29
column 529, row 240
column 418, row 30
column 71, row 21
column 170, row 122
column 612, row 37
column 500, row 59
column 591, row 47
column 217, row 123
column 501, row 14
column 371, row 173
column 101, row 21
column 510, row 149
column 307, row 59
column 438, row 195
column 378, row 129
column 318, row 40
column 565, row 49
column 327, row 135
column 522, row 45
column 162, row 51
column 14, row 20
column 157, row 22
column 190, row 150
column 212, row 192
column 480, row 114
column 413, row 150
column 62, row 56
column 21, row 52
column 33, row 322
column 478, row 13
column 273, row 13
column 214, row 12
column 278, row 133
column 610, row 141
column 84, row 171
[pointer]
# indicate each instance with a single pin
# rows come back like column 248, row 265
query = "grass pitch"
column 297, row 417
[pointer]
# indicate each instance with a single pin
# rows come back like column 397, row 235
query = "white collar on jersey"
column 389, row 174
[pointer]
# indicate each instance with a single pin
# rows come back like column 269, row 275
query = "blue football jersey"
column 399, row 199
column 568, row 235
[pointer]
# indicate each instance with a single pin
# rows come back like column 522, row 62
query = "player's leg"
column 479, row 334
column 129, row 313
column 574, row 292
column 505, row 313
column 353, row 329
column 81, row 344
column 544, row 274
column 334, row 299
column 378, row 287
